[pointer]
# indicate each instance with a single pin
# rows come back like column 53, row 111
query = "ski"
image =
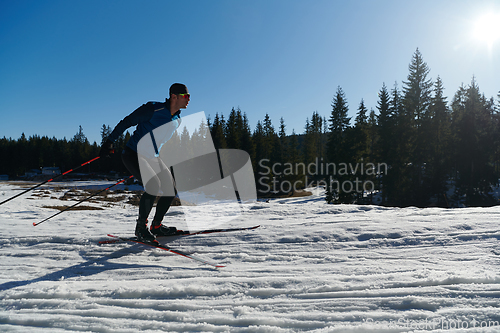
column 165, row 248
column 182, row 233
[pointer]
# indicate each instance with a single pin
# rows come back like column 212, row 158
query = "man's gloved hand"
column 106, row 149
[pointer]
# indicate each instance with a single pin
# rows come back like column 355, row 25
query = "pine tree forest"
column 416, row 147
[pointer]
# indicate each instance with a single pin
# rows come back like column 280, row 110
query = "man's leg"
column 131, row 162
column 161, row 209
column 146, row 205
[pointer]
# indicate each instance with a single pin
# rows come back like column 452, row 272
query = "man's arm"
column 141, row 114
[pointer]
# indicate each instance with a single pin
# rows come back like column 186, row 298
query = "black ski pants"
column 131, row 162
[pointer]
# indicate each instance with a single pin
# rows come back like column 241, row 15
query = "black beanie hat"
column 178, row 88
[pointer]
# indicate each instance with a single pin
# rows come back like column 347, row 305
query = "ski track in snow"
column 309, row 267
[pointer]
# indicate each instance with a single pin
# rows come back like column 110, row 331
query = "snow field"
column 309, row 267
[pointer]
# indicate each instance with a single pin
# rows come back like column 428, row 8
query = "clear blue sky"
column 89, row 63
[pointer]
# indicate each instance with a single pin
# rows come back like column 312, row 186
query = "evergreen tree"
column 360, row 133
column 496, row 122
column 385, row 125
column 439, row 133
column 105, row 132
column 313, row 139
column 80, row 147
column 373, row 141
column 79, row 136
column 397, row 184
column 417, row 89
column 271, row 141
column 186, row 146
column 258, row 138
column 373, row 136
column 417, row 99
column 473, row 127
column 337, row 151
column 294, row 158
column 284, row 152
column 356, row 153
column 339, row 123
column 324, row 138
column 361, row 116
column 246, row 138
column 217, row 132
column 233, row 129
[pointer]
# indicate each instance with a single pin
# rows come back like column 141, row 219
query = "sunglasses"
column 186, row 96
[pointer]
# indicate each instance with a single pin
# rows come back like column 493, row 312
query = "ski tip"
column 219, row 266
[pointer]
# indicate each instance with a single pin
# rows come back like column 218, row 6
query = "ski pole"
column 45, row 182
column 79, row 202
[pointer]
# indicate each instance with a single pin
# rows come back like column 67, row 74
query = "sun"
column 487, row 28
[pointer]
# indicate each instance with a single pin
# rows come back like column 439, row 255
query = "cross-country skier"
column 148, row 117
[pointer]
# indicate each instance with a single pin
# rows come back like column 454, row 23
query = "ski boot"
column 158, row 229
column 143, row 234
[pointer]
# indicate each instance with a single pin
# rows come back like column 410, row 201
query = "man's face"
column 181, row 101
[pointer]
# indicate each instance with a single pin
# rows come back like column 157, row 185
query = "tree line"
column 415, row 148
column 34, row 152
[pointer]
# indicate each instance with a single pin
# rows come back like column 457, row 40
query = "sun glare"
column 487, row 28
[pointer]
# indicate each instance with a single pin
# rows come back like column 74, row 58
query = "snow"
column 309, row 267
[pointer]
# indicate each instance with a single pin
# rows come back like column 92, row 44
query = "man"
column 148, row 117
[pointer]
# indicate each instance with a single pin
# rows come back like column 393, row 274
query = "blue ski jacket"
column 147, row 117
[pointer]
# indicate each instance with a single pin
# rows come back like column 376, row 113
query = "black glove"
column 107, row 149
